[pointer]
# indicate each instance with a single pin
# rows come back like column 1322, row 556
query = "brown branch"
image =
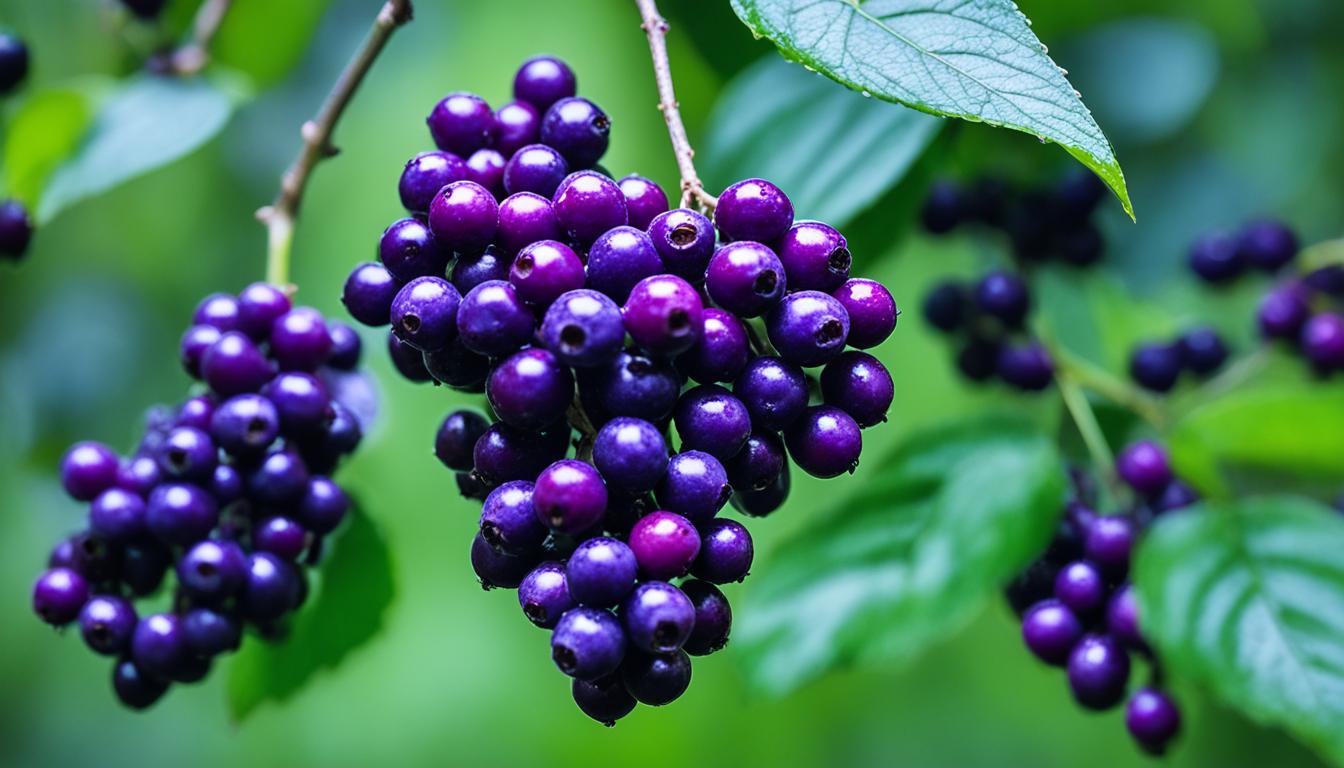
column 192, row 57
column 692, row 189
column 279, row 215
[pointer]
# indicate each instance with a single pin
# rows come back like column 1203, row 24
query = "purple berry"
column 88, row 469
column 1267, row 245
column 774, row 392
column 631, row 454
column 544, row 594
column 492, row 320
column 471, row 270
column 543, row 80
column 1080, row 587
column 1323, row 341
column 824, row 442
column 107, row 623
column 323, row 506
column 1177, row 495
column 457, row 437
column 713, row 618
column 587, row 204
column 235, row 365
column 605, row 699
column 180, row 514
column 424, row 313
column 872, row 311
column 280, row 478
column 722, row 352
column 509, row 521
column 1122, row 618
column 245, row 425
column 195, row 341
column 208, row 632
column 570, row 496
column 1005, row 297
column 409, row 250
column 644, row 200
column 1216, row 259
column 281, row 536
column 530, row 389
column 1152, row 719
column 745, row 278
column 725, row 552
column 536, row 168
column 346, row 346
column 764, row 501
column 1098, row 670
column 710, row 419
column 424, row 175
column 684, row 240
column 619, row 258
column 143, row 566
column 544, row 270
column 665, row 544
column 258, row 306
column 59, row 595
column 858, row 384
column 601, row 572
column 1050, row 630
column 368, row 294
column 1203, row 351
column 1156, row 367
column 212, row 570
column 1144, row 467
column 118, row 516
column 135, row 688
column 633, row 385
column 1283, row 311
column 496, row 569
column 694, row 486
column 587, row 643
column 815, row 257
column 664, row 314
column 219, row 311
column 753, row 209
column 583, row 329
column 656, row 679
column 758, row 465
column 271, row 588
column 978, row 360
column 808, row 328
column 506, row 453
column 158, row 646
column 578, row 129
column 464, row 216
column 139, row 475
column 526, row 218
column 302, row 403
column 16, row 227
column 658, row 617
column 944, row 208
column 1028, row 367
column 519, row 124
column 461, row 123
column 486, row 167
column 1108, row 544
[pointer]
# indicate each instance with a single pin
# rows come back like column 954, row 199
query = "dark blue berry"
column 195, row 341
column 158, row 646
column 486, row 167
column 656, row 679
column 271, row 589
column 245, row 425
column 457, row 437
column 605, row 699
column 758, row 465
column 218, row 310
column 945, row 306
column 774, row 392
column 1156, row 366
column 461, row 123
column 495, row 569
column 824, row 442
column 1028, row 367
column 1216, row 259
column 587, row 643
column 507, row 453
column 713, row 618
column 368, row 294
column 583, row 328
column 209, row 632
column 1203, row 351
column 1005, row 297
column 1122, row 618
column 457, row 367
column 424, row 175
column 945, row 207
column 1267, row 245
column 544, row 270
column 13, row 62
column 135, row 688
column 1081, row 588
column 1109, row 543
column 345, row 346
column 633, row 384
column 472, row 270
column 1322, row 341
column 578, row 129
column 280, row 478
column 695, row 486
column 710, row 419
column 601, row 572
column 1283, row 311
column 631, row 454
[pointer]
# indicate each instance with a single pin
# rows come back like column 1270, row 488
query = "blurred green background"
column 1218, row 109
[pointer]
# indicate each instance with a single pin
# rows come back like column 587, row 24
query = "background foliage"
column 1237, row 113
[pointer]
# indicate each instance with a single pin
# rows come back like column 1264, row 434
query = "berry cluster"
column 576, row 302
column 230, row 491
column 1078, row 608
column 1158, row 366
column 989, row 319
column 16, row 229
column 1054, row 223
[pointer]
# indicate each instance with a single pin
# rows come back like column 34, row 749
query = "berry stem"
column 1098, row 380
column 578, row 419
column 1075, row 400
column 1230, row 378
column 192, row 57
column 279, row 216
column 692, row 189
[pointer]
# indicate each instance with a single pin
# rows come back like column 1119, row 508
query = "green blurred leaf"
column 906, row 562
column 356, row 589
column 1094, row 317
column 43, row 132
column 1287, row 428
column 833, row 150
column 1248, row 599
column 976, row 61
column 147, row 122
column 264, row 39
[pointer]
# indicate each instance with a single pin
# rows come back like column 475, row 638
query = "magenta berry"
column 872, row 311
column 825, row 441
column 665, row 544
column 664, row 314
column 543, row 80
column 644, row 200
column 815, row 257
column 462, row 123
column 570, row 496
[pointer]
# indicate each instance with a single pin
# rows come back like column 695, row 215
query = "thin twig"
column 279, row 216
column 192, row 57
column 1116, row 390
column 1103, row 460
column 692, row 189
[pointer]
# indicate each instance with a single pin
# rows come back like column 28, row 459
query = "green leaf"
column 42, row 134
column 833, row 150
column 148, row 122
column 1247, row 598
column 356, row 589
column 1289, row 428
column 908, row 561
column 264, row 39
column 978, row 61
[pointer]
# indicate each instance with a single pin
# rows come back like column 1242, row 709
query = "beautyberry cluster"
column 1157, row 366
column 1078, row 608
column 1054, row 223
column 576, row 302
column 16, row 229
column 230, row 491
column 989, row 321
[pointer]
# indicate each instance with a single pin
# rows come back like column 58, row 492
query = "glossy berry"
column 1050, row 630
column 1323, row 341
column 470, row 270
column 634, row 384
column 218, row 310
column 457, row 437
column 763, row 501
column 665, row 544
column 664, row 314
column 118, row 515
column 858, row 384
column 346, row 346
column 1177, row 495
column 631, row 454
column 824, row 442
column 1080, row 587
column 323, row 505
column 1156, row 367
column 461, row 123
column 583, row 329
column 245, row 425
column 424, row 175
column 302, row 403
column 605, row 699
column 424, row 313
column 139, row 475
column 774, row 392
column 570, row 496
column 1267, row 245
column 408, row 249
column 180, row 514
column 758, row 465
column 872, row 311
column 1153, row 719
column 193, row 345
column 726, row 552
column 530, row 389
column 587, row 643
column 684, row 240
column 208, row 632
column 815, row 257
column 88, row 469
column 1144, row 467
column 280, row 478
column 158, row 646
column 496, row 569
column 259, row 305
column 658, row 617
column 281, row 536
column 694, row 486
column 517, row 124
column 1122, row 618
column 543, row 80
column 535, row 168
column 588, row 204
column 234, row 365
column 1027, row 367
column 135, row 688
column 59, row 595
column 486, row 167
column 16, row 228
column 544, row 594
column 1005, row 297
column 808, row 328
column 107, row 623
column 525, row 218
column 710, row 419
column 578, row 129
column 544, row 270
column 212, row 570
column 713, row 618
column 1216, row 259
column 745, row 278
column 492, row 319
column 619, row 258
column 1283, row 311
column 506, row 453
column 656, row 679
column 13, row 62
column 270, row 589
column 1098, row 669
column 601, row 572
column 1109, row 542
column 1203, row 350
column 464, row 216
column 509, row 520
column 644, row 200
column 722, row 352
column 753, row 209
column 368, row 294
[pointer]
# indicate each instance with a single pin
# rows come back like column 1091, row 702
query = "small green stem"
column 1116, row 390
column 1085, row 419
column 280, row 241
